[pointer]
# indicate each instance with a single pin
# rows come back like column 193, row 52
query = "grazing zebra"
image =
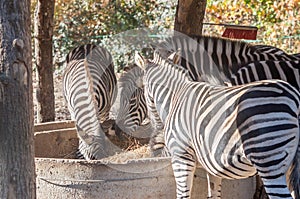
column 89, row 87
column 218, row 59
column 233, row 132
column 133, row 110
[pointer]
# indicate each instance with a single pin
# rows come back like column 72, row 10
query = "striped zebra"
column 89, row 88
column 233, row 132
column 133, row 110
column 216, row 57
column 288, row 71
column 297, row 55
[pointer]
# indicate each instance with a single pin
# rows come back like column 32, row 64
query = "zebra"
column 297, row 55
column 288, row 71
column 233, row 132
column 133, row 110
column 217, row 58
column 89, row 88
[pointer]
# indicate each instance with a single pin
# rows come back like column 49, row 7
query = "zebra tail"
column 294, row 175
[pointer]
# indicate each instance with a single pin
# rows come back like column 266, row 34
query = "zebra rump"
column 89, row 86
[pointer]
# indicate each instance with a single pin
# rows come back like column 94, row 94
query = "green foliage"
column 278, row 21
column 78, row 22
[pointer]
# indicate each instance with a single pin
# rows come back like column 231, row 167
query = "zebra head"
column 94, row 146
column 133, row 110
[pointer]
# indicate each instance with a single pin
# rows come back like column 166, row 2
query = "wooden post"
column 189, row 16
column 43, row 29
column 17, row 170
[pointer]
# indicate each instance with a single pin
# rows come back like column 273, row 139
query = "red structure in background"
column 238, row 32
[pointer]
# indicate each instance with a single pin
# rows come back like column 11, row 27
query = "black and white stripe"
column 297, row 55
column 216, row 57
column 233, row 132
column 288, row 71
column 275, row 53
column 89, row 86
column 133, row 109
column 216, row 60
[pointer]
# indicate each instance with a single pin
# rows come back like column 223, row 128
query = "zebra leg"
column 276, row 188
column 157, row 144
column 184, row 169
column 214, row 186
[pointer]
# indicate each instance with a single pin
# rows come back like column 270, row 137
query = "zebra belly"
column 217, row 145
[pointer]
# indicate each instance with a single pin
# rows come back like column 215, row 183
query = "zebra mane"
column 80, row 52
column 208, row 78
column 165, row 62
column 167, row 46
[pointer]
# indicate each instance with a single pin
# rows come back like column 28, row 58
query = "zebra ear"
column 139, row 60
column 175, row 57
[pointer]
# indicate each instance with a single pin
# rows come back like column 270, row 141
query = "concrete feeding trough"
column 59, row 175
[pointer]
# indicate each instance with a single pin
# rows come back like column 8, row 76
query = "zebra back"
column 79, row 53
column 217, row 57
column 288, row 71
column 276, row 53
column 297, row 55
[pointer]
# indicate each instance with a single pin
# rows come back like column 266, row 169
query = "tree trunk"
column 43, row 28
column 17, row 171
column 189, row 16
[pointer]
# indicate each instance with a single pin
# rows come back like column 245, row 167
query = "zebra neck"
column 163, row 83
